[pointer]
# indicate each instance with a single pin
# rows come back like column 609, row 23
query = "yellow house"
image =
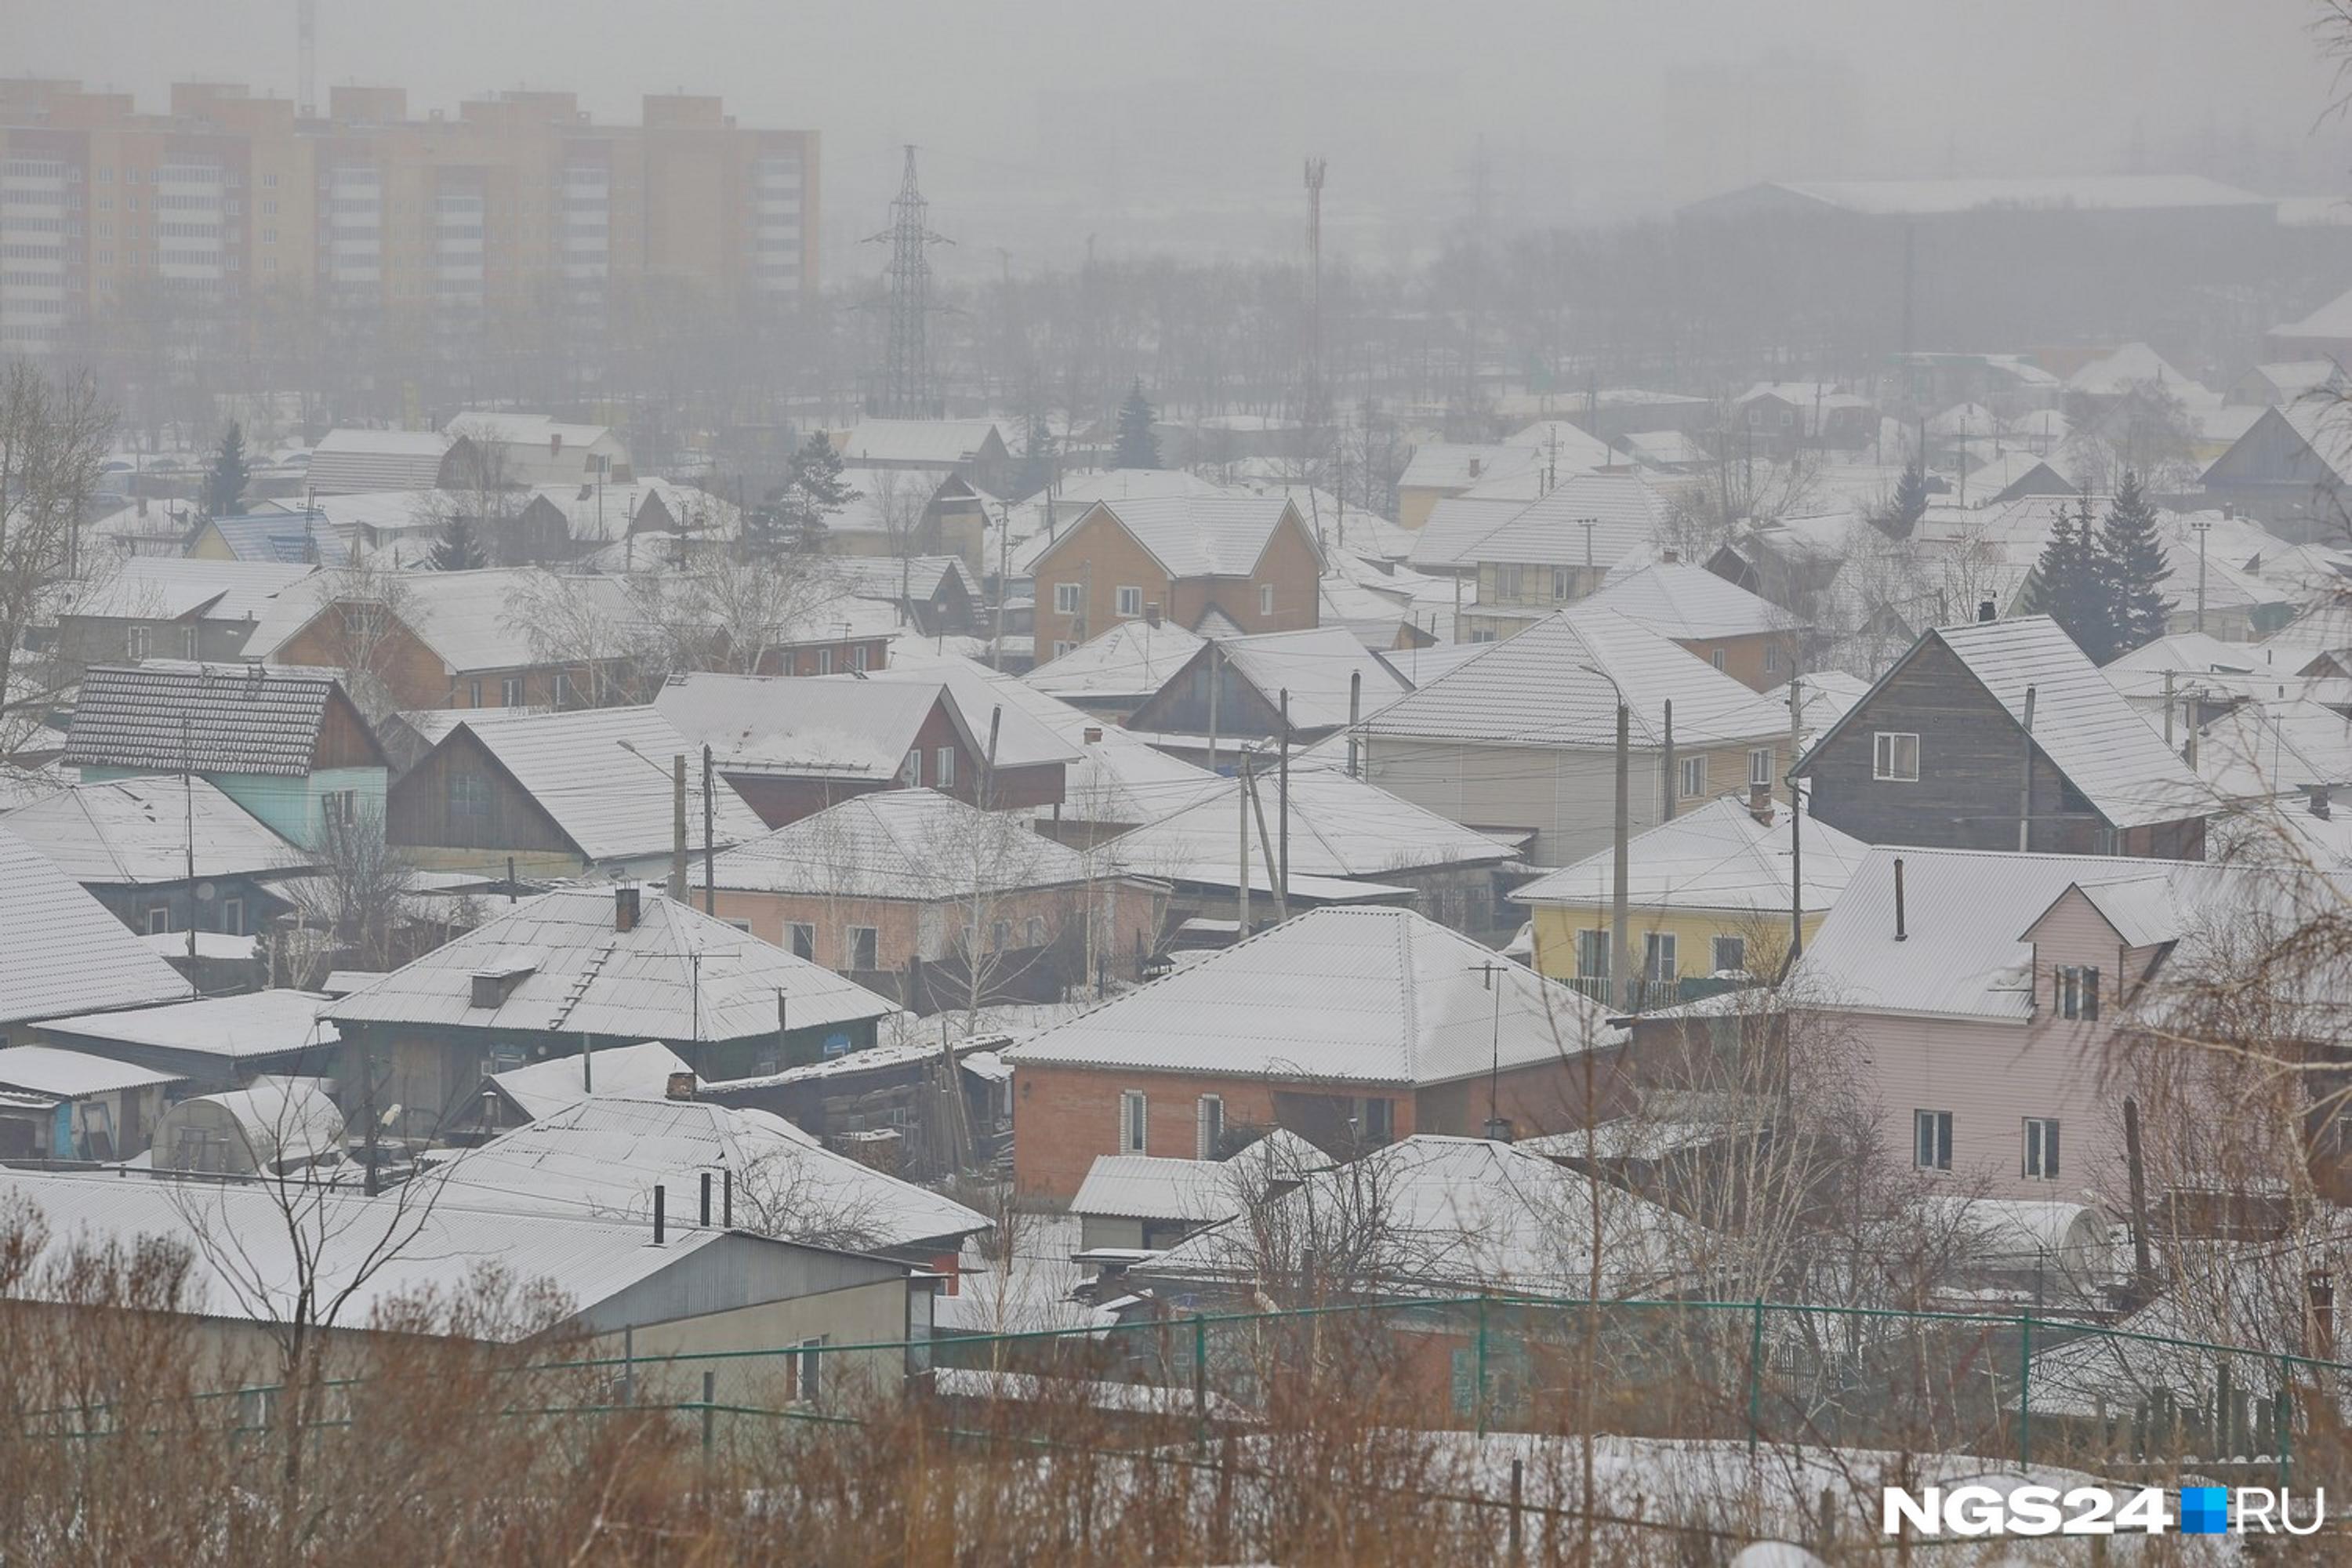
column 1708, row 894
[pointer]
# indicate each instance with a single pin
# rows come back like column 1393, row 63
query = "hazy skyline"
column 1044, row 122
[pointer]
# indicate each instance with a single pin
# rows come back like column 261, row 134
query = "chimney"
column 661, row 1204
column 1093, row 734
column 625, row 908
column 2228, row 511
column 555, row 443
column 2319, row 806
column 142, row 502
column 1477, row 464
column 1985, row 611
column 1151, row 613
column 1669, row 557
column 1760, row 802
column 680, row 1086
column 1900, row 934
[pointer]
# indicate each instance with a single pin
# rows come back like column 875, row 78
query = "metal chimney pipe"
column 661, row 1196
column 705, row 1200
column 1900, row 934
column 727, row 1198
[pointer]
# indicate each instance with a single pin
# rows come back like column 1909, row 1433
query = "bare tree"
column 53, row 438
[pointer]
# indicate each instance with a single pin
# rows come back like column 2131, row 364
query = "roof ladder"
column 580, row 983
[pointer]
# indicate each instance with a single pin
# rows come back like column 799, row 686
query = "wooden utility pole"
column 1620, row 954
column 1241, row 883
column 1796, row 841
column 1265, row 848
column 2025, row 781
column 1672, row 780
column 1214, row 683
column 677, row 827
column 710, row 854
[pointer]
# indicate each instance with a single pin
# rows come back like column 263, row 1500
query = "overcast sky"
column 1042, row 121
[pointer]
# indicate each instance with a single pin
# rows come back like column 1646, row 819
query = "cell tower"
column 306, row 39
column 906, row 358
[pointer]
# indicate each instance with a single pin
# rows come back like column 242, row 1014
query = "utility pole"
column 188, row 804
column 1282, row 804
column 677, row 827
column 1214, row 646
column 906, row 361
column 2025, row 781
column 1241, row 883
column 1673, row 779
column 1495, row 1126
column 2203, row 525
column 710, row 855
column 1796, row 844
column 1621, row 955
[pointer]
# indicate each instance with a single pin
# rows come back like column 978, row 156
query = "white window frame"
column 158, row 920
column 1066, row 598
column 943, row 768
column 1592, row 950
column 1716, row 658
column 1134, row 1121
column 859, row 657
column 1736, row 953
column 1760, row 766
column 1208, row 1126
column 135, row 644
column 1931, row 1140
column 1127, row 602
column 510, row 690
column 1886, row 748
column 1690, row 778
column 2075, row 992
column 1660, row 956
column 1061, row 647
column 1560, row 584
column 806, row 1363
column 1771, row 659
column 799, row 934
column 232, row 917
column 2038, row 1160
column 1266, row 598
column 825, row 661
column 910, row 771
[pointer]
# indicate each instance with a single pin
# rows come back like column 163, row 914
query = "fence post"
column 2024, row 1390
column 709, row 1392
column 1481, row 1418
column 1518, row 1470
column 1755, row 1376
column 1200, row 1381
column 2283, row 1425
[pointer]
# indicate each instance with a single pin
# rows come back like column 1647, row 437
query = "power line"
column 907, row 358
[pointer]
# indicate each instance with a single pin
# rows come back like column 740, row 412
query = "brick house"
column 924, row 897
column 1941, row 751
column 1251, row 559
column 1345, row 1026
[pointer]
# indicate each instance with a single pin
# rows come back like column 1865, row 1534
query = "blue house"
column 288, row 744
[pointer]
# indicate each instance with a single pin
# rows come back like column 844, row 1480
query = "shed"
column 277, row 1124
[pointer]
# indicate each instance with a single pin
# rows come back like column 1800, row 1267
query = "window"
column 2041, row 1148
column 138, row 641
column 1208, row 1127
column 1593, row 955
column 1690, row 777
column 2077, row 992
column 1760, row 766
column 1658, row 964
column 1066, row 598
column 1034, row 934
column 825, row 661
column 943, row 768
column 910, row 771
column 1511, row 582
column 858, row 656
column 1894, row 757
column 865, row 948
column 1716, row 658
column 1266, row 598
column 159, row 920
column 800, row 938
column 1000, row 935
column 1380, row 1121
column 1134, row 1126
column 1731, row 953
column 1931, row 1140
column 510, row 691
column 340, row 808
column 232, row 917
column 1771, row 659
column 1559, row 579
column 1061, row 647
column 806, row 1380
column 469, row 794
column 1130, row 601
column 474, row 694
column 188, row 642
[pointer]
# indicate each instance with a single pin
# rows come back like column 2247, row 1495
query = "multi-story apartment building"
column 517, row 204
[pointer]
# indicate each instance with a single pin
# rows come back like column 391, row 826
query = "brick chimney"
column 555, row 443
column 1670, row 557
column 1151, row 613
column 2318, row 799
column 1986, row 612
column 1760, row 802
column 625, row 908
column 1477, row 464
column 680, row 1086
column 1093, row 734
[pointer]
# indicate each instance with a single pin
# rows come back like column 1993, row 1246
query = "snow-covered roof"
column 1625, row 509
column 1562, row 448
column 2081, row 723
column 1150, row 1186
column 909, row 844
column 61, row 951
column 1663, row 449
column 626, row 1072
column 1558, row 683
column 1217, row 535
column 168, row 587
column 1316, row 664
column 1339, row 827
column 1719, row 857
column 471, row 620
column 975, row 695
column 1336, row 994
column 601, row 1158
column 165, row 715
column 942, row 443
column 678, row 976
column 2332, row 320
column 140, row 831
column 604, row 775
column 2035, row 192
column 2259, row 750
column 347, row 460
column 70, row 1075
column 2112, row 375
column 1686, row 603
column 843, row 726
column 1467, row 1211
column 1458, row 465
column 1133, row 659
column 234, row 1027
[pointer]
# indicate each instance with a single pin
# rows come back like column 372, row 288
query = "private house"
column 1753, row 640
column 594, row 968
column 1781, row 416
column 347, row 461
column 920, row 896
column 65, row 954
column 1522, row 737
column 166, row 606
column 273, row 536
column 523, row 1094
column 62, row 1105
column 1520, row 567
column 1112, row 675
column 693, row 1289
column 1247, row 562
column 793, row 747
column 165, row 854
column 1135, row 1203
column 637, row 520
column 932, row 593
column 287, row 744
column 1348, row 1026
column 1945, row 751
column 581, row 794
column 460, row 639
column 2289, row 470
column 1708, row 901
column 1439, row 470
column 916, row 1107
column 970, row 449
column 1331, row 677
column 526, row 450
column 212, row 1044
column 894, row 512
column 2286, row 381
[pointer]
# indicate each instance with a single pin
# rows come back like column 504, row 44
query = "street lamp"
column 2203, row 525
column 1621, row 959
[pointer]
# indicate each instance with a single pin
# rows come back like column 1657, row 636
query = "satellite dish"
column 205, row 892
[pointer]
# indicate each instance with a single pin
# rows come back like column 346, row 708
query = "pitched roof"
column 1340, row 994
column 2116, row 373
column 1458, row 465
column 2257, row 751
column 168, row 587
column 1678, row 600
column 472, row 620
column 140, row 831
column 165, row 715
column 60, row 951
column 1134, row 659
column 679, row 976
column 46, row 1069
column 844, row 726
column 626, row 1072
column 2043, row 193
column 1339, row 827
column 945, row 443
column 349, row 460
column 1558, row 683
column 1316, row 666
column 1719, row 857
column 283, row 538
column 2081, row 723
column 604, row 775
column 919, row 577
column 1626, row 510
column 2332, row 320
column 1020, row 742
column 250, row 1024
column 914, row 844
column 1150, row 1186
column 1218, row 535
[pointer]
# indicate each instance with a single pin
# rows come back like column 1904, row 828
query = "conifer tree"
column 458, row 548
column 224, row 485
column 813, row 491
column 2071, row 582
column 1138, row 447
column 2132, row 569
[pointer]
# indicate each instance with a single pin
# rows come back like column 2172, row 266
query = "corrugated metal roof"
column 471, row 620
column 627, row 1072
column 1216, row 535
column 166, row 587
column 680, row 975
column 69, row 1074
column 1458, row 465
column 60, row 951
column 915, row 843
column 347, row 461
column 1316, row 666
column 943, row 442
column 253, row 1024
column 788, row 724
column 165, row 715
column 1626, row 508
column 1134, row 659
column 1339, row 995
column 1020, row 742
column 1719, row 857
column 604, row 774
column 1339, row 827
column 1558, row 684
column 1675, row 599
column 140, row 831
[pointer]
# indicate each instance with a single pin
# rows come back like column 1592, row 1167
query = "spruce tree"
column 2071, row 582
column 1138, row 446
column 224, row 486
column 1036, row 471
column 458, row 548
column 813, row 491
column 1899, row 516
column 2134, row 567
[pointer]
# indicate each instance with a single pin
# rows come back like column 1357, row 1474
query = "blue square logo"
column 2204, row 1510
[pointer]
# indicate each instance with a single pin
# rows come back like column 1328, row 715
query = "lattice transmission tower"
column 906, row 392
